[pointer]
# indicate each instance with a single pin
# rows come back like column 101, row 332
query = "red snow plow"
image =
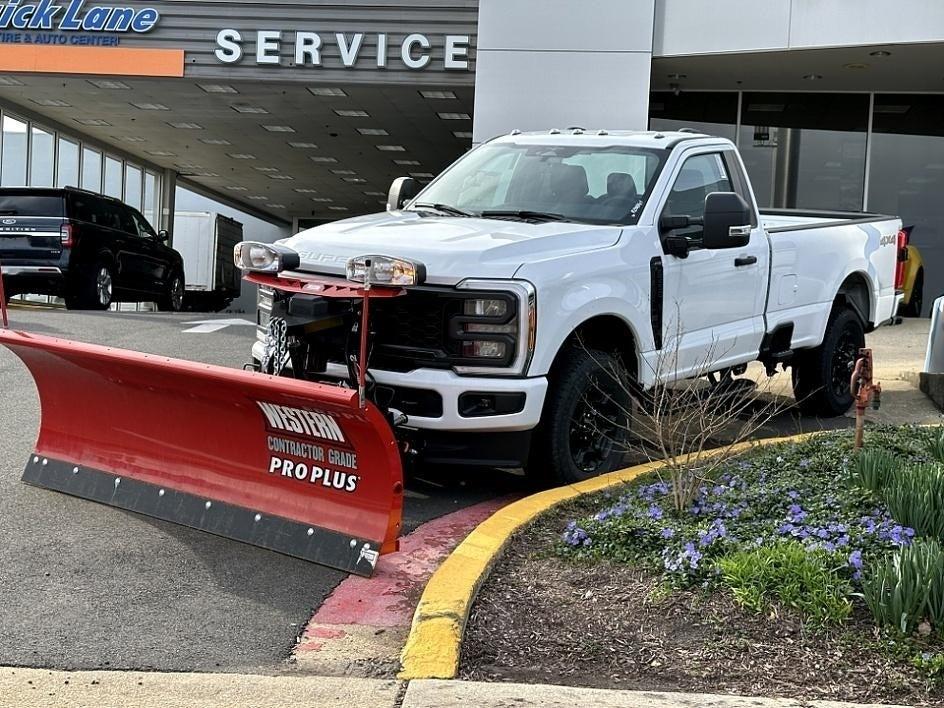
column 309, row 469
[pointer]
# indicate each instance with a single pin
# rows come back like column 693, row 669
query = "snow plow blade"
column 296, row 467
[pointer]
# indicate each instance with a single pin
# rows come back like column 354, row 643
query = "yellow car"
column 913, row 281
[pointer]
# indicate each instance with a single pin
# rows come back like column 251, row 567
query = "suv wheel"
column 586, row 421
column 94, row 289
column 821, row 376
column 173, row 299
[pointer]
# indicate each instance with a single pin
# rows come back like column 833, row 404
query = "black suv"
column 90, row 249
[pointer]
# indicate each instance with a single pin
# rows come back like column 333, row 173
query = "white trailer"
column 206, row 240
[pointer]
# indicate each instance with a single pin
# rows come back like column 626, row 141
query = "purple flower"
column 655, row 512
column 667, row 533
column 793, row 494
column 855, row 560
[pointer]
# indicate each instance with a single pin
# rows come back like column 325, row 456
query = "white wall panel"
column 699, row 27
column 828, row 24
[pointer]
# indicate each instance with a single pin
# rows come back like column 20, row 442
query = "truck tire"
column 821, row 376
column 93, row 289
column 585, row 424
column 173, row 298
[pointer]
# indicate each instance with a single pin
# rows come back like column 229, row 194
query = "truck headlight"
column 385, row 270
column 496, row 330
column 264, row 257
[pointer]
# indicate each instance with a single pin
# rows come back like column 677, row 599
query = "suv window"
column 700, row 176
column 143, row 228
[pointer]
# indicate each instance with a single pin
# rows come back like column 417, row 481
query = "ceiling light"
column 766, row 107
column 304, row 146
column 242, row 108
column 892, row 109
column 215, row 141
column 306, row 190
column 151, row 106
column 276, row 206
column 279, row 128
column 355, row 180
column 406, row 163
column 92, row 121
column 281, row 177
column 422, row 175
column 676, row 77
column 322, row 199
column 324, row 160
column 189, row 166
column 134, row 139
column 372, row 131
column 437, row 94
column 325, row 91
column 257, row 198
column 242, row 156
column 237, row 189
column 338, row 208
column 855, row 65
column 51, row 102
column 463, row 134
column 204, row 174
column 110, row 84
column 391, row 148
column 161, row 153
column 813, row 77
column 880, row 53
column 266, row 169
column 454, row 116
column 186, row 126
column 217, row 88
column 375, row 194
column 353, row 114
column 343, row 172
column 10, row 81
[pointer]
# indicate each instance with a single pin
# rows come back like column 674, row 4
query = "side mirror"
column 727, row 221
column 163, row 236
column 401, row 191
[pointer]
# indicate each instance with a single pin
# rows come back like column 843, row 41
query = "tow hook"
column 864, row 391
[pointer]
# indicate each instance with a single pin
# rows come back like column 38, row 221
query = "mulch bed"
column 539, row 618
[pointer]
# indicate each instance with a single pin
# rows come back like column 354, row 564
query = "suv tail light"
column 67, row 234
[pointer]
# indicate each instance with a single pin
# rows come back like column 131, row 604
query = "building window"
column 710, row 112
column 13, row 162
column 133, row 186
column 67, row 164
column 805, row 150
column 906, row 175
column 113, row 179
column 91, row 170
column 150, row 199
column 42, row 157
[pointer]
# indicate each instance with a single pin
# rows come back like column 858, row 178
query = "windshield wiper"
column 523, row 214
column 444, row 208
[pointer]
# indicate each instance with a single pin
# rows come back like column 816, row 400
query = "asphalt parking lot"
column 84, row 586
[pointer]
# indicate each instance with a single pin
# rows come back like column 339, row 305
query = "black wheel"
column 914, row 306
column 94, row 289
column 821, row 376
column 173, row 298
column 585, row 425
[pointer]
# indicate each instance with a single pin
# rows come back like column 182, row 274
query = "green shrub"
column 874, row 469
column 792, row 576
column 907, row 587
column 915, row 498
column 936, row 447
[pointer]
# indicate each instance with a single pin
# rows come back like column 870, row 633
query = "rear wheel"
column 173, row 298
column 585, row 425
column 913, row 308
column 94, row 289
column 821, row 376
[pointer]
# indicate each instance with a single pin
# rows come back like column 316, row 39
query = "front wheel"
column 173, row 298
column 821, row 376
column 585, row 426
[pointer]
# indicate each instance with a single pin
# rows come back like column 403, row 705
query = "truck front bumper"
column 526, row 397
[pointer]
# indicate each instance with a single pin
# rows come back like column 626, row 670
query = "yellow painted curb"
column 435, row 641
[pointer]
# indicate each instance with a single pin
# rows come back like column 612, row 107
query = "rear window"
column 31, row 204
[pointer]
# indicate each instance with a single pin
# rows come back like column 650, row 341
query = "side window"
column 700, row 176
column 143, row 228
column 740, row 182
column 125, row 220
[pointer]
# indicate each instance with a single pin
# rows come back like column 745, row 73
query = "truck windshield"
column 588, row 184
column 21, row 203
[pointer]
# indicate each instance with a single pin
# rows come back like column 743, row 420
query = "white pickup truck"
column 549, row 258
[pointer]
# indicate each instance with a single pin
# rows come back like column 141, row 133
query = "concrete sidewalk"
column 38, row 688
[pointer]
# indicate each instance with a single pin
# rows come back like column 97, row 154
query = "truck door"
column 714, row 299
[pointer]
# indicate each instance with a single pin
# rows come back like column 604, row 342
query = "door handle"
column 744, row 261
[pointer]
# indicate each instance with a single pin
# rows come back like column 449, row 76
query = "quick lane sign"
column 76, row 17
column 413, row 52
